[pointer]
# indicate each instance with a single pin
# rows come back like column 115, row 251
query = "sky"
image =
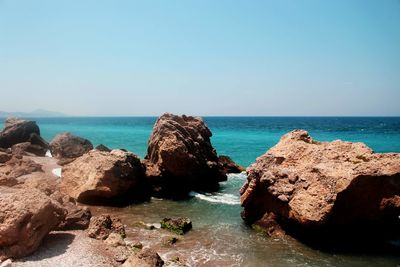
column 208, row 57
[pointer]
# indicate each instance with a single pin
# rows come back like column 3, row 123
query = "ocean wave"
column 223, row 198
column 48, row 154
column 237, row 176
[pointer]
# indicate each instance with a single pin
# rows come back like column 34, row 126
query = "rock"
column 115, row 240
column 169, row 240
column 179, row 225
column 102, row 226
column 69, row 146
column 102, row 147
column 77, row 218
column 41, row 181
column 121, row 253
column 16, row 167
column 100, row 176
column 145, row 258
column 25, row 223
column 269, row 225
column 35, row 146
column 180, row 156
column 228, row 165
column 336, row 188
column 40, row 143
column 4, row 157
column 17, row 131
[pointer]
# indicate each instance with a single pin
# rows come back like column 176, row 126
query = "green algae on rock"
column 179, row 226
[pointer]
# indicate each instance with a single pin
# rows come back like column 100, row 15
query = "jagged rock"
column 27, row 216
column 16, row 167
column 4, row 157
column 324, row 187
column 77, row 218
column 179, row 225
column 227, row 165
column 145, row 258
column 17, row 131
column 35, row 146
column 102, row 226
column 180, row 156
column 68, row 146
column 100, row 176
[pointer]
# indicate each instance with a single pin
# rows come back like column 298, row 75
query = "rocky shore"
column 324, row 191
column 314, row 191
column 38, row 206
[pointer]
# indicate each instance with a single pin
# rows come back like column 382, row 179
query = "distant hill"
column 34, row 114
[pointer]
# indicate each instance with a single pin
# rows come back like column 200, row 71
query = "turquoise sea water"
column 242, row 138
column 219, row 237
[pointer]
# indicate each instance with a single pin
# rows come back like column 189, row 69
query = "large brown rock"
column 98, row 176
column 17, row 131
column 26, row 216
column 324, row 185
column 16, row 167
column 69, row 146
column 180, row 156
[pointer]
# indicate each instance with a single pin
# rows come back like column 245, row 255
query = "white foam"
column 228, row 199
column 48, row 154
column 57, row 172
column 237, row 176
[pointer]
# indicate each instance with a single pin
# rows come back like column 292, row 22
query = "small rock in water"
column 179, row 226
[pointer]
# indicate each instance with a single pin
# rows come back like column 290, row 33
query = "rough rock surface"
column 25, row 223
column 102, row 226
column 180, row 156
column 227, row 165
column 69, row 146
column 16, row 167
column 77, row 218
column 320, row 184
column 145, row 258
column 36, row 146
column 177, row 225
column 98, row 176
column 17, row 131
column 4, row 157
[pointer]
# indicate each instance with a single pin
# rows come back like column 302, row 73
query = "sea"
column 219, row 236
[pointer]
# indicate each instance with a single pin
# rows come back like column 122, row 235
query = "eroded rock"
column 27, row 216
column 325, row 187
column 100, row 176
column 180, row 156
column 68, row 146
column 17, row 131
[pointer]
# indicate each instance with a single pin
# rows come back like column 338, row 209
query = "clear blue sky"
column 201, row 57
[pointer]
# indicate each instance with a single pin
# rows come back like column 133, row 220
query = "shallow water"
column 219, row 237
